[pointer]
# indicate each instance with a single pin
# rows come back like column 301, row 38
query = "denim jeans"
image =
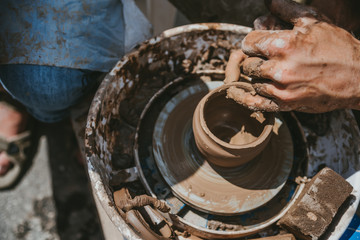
column 46, row 91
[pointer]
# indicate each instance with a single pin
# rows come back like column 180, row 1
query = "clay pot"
column 227, row 133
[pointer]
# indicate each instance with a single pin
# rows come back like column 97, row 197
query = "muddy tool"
column 312, row 213
column 138, row 212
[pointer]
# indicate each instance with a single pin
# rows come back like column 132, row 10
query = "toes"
column 5, row 163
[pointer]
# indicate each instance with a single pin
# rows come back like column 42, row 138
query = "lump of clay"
column 317, row 205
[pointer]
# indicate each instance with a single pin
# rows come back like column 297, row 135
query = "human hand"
column 270, row 22
column 315, row 67
column 249, row 99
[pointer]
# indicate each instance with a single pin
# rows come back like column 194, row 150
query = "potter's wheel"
column 193, row 219
column 204, row 186
column 134, row 80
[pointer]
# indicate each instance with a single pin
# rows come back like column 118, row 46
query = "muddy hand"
column 276, row 20
column 270, row 22
column 251, row 100
column 315, row 67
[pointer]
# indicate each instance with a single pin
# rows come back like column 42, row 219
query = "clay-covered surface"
column 315, row 209
column 188, row 52
column 229, row 134
column 194, row 50
column 334, row 141
column 203, row 185
column 199, row 222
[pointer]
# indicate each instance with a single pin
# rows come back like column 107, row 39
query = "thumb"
column 291, row 12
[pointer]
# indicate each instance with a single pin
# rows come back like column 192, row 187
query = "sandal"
column 15, row 147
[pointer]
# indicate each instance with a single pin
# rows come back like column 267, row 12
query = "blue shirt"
column 82, row 34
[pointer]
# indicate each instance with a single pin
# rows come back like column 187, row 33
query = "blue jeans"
column 47, row 92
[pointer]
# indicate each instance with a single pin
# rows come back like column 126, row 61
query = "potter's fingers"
column 270, row 22
column 258, row 68
column 252, row 67
column 291, row 11
column 284, row 98
column 262, row 88
column 263, row 23
column 295, row 99
column 272, row 91
column 232, row 71
column 260, row 103
column 263, row 43
column 252, row 101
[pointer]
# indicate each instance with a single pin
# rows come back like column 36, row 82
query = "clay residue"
column 258, row 116
column 125, row 203
column 125, row 93
column 217, row 225
column 231, row 122
column 317, row 205
column 251, row 100
column 242, row 137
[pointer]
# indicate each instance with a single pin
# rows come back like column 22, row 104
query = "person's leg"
column 47, row 93
column 12, row 122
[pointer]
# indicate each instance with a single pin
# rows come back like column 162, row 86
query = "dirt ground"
column 53, row 198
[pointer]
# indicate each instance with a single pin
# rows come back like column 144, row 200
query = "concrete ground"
column 53, row 198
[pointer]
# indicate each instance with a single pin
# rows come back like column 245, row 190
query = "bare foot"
column 12, row 122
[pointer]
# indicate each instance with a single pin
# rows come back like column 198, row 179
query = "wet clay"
column 242, row 95
column 143, row 73
column 157, row 227
column 227, row 133
column 318, row 204
column 242, row 137
column 127, row 204
column 185, row 213
column 128, row 88
column 205, row 186
column 232, row 122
